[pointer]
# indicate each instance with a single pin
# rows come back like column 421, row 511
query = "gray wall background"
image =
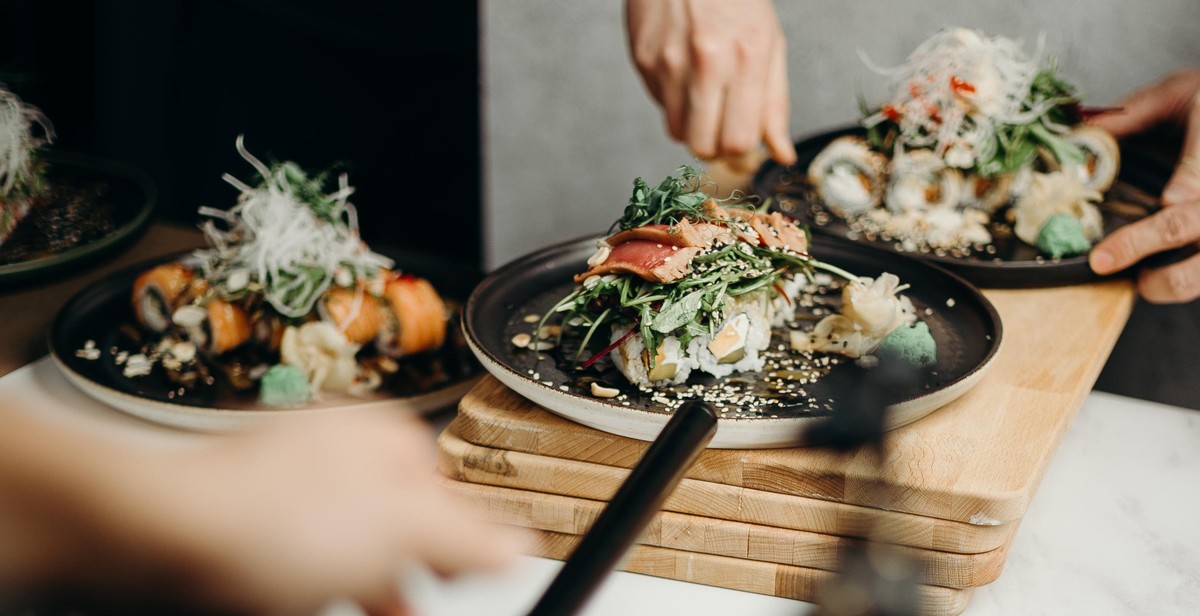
column 567, row 125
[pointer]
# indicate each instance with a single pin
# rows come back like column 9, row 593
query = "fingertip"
column 1184, row 185
column 1171, row 284
column 702, row 152
column 1102, row 261
column 783, row 151
column 778, row 140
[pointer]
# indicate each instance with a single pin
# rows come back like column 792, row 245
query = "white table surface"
column 1114, row 528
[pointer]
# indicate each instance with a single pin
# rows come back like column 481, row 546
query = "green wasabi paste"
column 1061, row 236
column 283, row 385
column 912, row 344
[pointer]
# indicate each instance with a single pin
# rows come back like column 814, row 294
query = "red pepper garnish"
column 608, row 349
column 960, row 86
column 890, row 113
column 785, row 297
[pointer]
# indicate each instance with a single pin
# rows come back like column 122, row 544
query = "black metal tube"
column 650, row 482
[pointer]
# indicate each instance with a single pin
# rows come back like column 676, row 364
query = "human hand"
column 718, row 68
column 282, row 521
column 1175, row 100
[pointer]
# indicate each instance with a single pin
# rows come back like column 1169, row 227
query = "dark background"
column 388, row 91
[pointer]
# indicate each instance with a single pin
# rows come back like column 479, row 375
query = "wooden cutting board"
column 691, row 533
column 466, row 462
column 739, row 574
column 978, row 460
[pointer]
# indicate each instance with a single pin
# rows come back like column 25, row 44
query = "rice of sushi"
column 781, row 309
column 628, row 358
column 752, row 308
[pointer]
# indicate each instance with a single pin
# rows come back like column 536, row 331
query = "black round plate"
column 126, row 193
column 100, row 311
column 964, row 324
column 1013, row 264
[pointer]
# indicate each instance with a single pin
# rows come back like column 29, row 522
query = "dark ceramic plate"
column 964, row 324
column 1013, row 262
column 124, row 193
column 100, row 311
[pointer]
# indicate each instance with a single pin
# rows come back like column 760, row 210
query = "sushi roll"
column 920, row 180
column 225, row 327
column 673, row 301
column 1101, row 157
column 356, row 313
column 414, row 320
column 735, row 346
column 158, row 292
column 668, row 366
column 848, row 176
column 988, row 194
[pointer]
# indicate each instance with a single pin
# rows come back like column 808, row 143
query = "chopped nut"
column 183, row 351
column 137, row 365
column 237, row 279
column 522, row 340
column 601, row 391
column 89, row 353
column 601, row 254
column 189, row 316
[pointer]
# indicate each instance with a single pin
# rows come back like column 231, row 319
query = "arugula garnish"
column 677, row 197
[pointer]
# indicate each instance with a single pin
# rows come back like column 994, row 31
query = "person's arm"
column 274, row 521
column 718, row 68
column 1174, row 100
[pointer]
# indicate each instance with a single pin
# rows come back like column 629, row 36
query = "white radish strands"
column 291, row 250
column 957, row 89
column 17, row 140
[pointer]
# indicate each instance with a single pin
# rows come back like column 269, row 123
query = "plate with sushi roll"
column 692, row 297
column 60, row 209
column 285, row 311
column 980, row 160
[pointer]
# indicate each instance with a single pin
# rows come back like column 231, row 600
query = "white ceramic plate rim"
column 732, row 433
column 208, row 419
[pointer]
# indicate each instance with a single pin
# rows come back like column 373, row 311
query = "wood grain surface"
column 978, row 460
column 466, row 462
column 739, row 574
column 691, row 533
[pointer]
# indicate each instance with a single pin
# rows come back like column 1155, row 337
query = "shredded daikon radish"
column 293, row 244
column 957, row 89
column 17, row 140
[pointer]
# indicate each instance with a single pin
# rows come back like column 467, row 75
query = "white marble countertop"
column 1114, row 528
